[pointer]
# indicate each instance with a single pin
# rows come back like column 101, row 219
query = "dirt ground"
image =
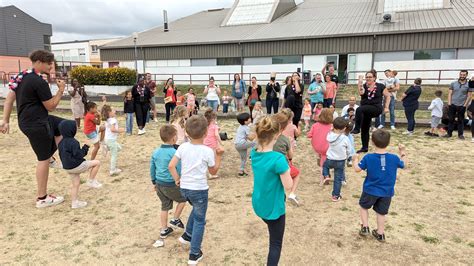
column 430, row 220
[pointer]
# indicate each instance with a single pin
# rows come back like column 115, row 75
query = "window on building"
column 229, row 61
column 411, row 5
column 46, row 40
column 445, row 54
column 94, row 49
column 333, row 59
column 251, row 12
column 203, row 62
column 288, row 59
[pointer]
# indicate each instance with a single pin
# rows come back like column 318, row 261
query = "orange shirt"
column 89, row 125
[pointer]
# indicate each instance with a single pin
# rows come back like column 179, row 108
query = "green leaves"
column 88, row 75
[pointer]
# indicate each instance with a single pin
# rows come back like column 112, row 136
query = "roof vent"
column 388, row 17
column 165, row 21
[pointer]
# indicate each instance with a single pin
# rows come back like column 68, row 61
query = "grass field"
column 430, row 220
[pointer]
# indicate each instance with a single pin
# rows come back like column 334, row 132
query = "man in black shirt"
column 331, row 72
column 34, row 101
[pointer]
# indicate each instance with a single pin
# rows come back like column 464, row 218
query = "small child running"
column 164, row 184
column 378, row 189
column 244, row 140
column 436, row 108
column 112, row 130
column 72, row 158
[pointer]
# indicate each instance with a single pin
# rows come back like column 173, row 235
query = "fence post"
column 190, row 79
column 439, row 77
column 406, row 77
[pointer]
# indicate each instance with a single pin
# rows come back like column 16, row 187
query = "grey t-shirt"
column 282, row 145
column 459, row 94
column 242, row 134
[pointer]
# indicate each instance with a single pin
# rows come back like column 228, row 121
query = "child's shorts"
column 435, row 121
column 93, row 137
column 379, row 204
column 307, row 117
column 294, row 172
column 167, row 195
column 82, row 168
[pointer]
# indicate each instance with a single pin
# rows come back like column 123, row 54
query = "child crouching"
column 164, row 184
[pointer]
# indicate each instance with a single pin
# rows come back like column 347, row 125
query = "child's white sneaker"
column 472, row 140
column 344, row 183
column 93, row 183
column 408, row 133
column 392, row 128
column 55, row 164
column 77, row 204
column 380, row 127
column 50, row 200
column 115, row 172
column 158, row 243
column 292, row 199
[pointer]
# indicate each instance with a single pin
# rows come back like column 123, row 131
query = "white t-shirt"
column 195, row 161
column 111, row 122
column 212, row 93
column 344, row 109
column 392, row 81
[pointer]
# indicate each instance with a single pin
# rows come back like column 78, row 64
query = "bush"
column 88, row 75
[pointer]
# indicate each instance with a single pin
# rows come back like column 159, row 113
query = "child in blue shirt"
column 378, row 190
column 164, row 184
column 271, row 176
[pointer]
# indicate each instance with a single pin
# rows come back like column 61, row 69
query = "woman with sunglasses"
column 371, row 106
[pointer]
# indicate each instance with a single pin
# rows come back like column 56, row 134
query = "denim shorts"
column 93, row 137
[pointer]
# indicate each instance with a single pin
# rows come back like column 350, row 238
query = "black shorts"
column 41, row 137
column 379, row 204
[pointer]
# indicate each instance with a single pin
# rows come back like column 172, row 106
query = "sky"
column 88, row 19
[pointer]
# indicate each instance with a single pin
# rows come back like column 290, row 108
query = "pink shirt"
column 318, row 134
column 331, row 89
column 181, row 133
column 191, row 99
column 211, row 139
column 289, row 131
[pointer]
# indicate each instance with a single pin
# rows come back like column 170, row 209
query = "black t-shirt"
column 374, row 97
column 413, row 93
column 30, row 95
column 295, row 100
column 335, row 78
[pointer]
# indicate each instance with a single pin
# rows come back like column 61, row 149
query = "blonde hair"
column 281, row 119
column 288, row 113
column 106, row 109
column 210, row 115
column 266, row 130
column 179, row 112
column 326, row 116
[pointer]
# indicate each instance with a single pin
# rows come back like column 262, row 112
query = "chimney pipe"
column 165, row 21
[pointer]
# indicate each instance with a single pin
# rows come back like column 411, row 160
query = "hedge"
column 88, row 75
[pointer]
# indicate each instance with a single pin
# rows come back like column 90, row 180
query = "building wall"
column 95, row 55
column 13, row 64
column 71, row 52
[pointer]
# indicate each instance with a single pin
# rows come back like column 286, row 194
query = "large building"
column 19, row 35
column 260, row 36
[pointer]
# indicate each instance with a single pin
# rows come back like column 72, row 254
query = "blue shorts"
column 93, row 137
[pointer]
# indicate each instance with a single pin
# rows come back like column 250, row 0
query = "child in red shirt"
column 91, row 121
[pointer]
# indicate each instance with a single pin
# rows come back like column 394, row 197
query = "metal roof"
column 309, row 20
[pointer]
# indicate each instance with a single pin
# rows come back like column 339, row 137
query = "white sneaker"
column 408, row 133
column 115, row 172
column 292, row 198
column 78, row 204
column 55, row 164
column 380, row 127
column 158, row 243
column 156, row 120
column 392, row 128
column 50, row 200
column 472, row 140
column 93, row 183
column 141, row 131
column 344, row 183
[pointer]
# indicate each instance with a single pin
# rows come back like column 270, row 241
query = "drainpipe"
column 374, row 42
column 241, row 60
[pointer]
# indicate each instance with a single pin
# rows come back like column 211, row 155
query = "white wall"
column 431, row 68
column 73, row 49
column 363, row 62
column 314, row 63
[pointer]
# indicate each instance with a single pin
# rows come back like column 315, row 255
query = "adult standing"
column 316, row 91
column 283, row 90
column 141, row 99
column 330, row 92
column 254, row 93
column 170, row 98
column 34, row 101
column 152, row 86
column 392, row 83
column 331, row 71
column 273, row 93
column 238, row 92
column 410, row 104
column 351, row 104
column 212, row 92
column 371, row 105
column 294, row 97
column 78, row 100
column 459, row 96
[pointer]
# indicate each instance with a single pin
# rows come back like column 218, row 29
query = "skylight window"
column 411, row 5
column 252, row 12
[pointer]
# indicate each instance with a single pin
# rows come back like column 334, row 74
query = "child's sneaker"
column 194, row 259
column 364, row 231
column 165, row 233
column 428, row 133
column 50, row 200
column 336, row 198
column 115, row 172
column 93, row 183
column 55, row 164
column 380, row 127
column 158, row 243
column 349, row 163
column 292, row 198
column 393, row 128
column 379, row 237
column 177, row 223
column 185, row 239
column 472, row 139
column 77, row 204
column 344, row 183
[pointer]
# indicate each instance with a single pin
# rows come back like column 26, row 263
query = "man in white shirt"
column 352, row 104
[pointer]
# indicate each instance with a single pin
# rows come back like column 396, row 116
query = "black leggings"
column 297, row 118
column 169, row 109
column 276, row 229
column 272, row 103
column 141, row 112
column 364, row 115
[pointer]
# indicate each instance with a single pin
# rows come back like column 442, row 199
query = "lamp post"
column 135, row 37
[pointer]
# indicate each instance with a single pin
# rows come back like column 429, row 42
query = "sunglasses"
column 368, row 77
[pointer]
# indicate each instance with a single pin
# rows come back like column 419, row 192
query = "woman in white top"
column 212, row 92
column 78, row 98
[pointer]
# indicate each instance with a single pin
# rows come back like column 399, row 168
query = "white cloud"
column 91, row 19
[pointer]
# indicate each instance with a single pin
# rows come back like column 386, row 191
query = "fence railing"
column 431, row 77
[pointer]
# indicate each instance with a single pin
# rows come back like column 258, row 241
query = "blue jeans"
column 338, row 174
column 129, row 123
column 213, row 104
column 327, row 102
column 225, row 108
column 391, row 107
column 197, row 219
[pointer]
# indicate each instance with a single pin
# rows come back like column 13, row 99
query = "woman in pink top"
column 318, row 134
column 330, row 93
